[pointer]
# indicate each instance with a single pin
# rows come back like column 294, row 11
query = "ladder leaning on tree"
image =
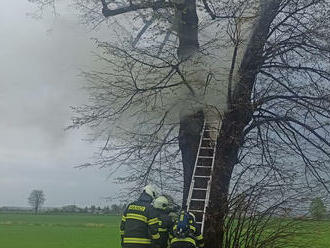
column 200, row 187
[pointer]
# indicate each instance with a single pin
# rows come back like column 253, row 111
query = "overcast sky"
column 39, row 66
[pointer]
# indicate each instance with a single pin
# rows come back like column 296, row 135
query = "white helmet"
column 161, row 202
column 149, row 190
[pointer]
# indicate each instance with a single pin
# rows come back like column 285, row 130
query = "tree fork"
column 234, row 122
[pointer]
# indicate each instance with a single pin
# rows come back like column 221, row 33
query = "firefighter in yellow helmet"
column 139, row 225
column 161, row 204
column 185, row 233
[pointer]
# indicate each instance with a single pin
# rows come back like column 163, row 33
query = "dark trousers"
column 182, row 245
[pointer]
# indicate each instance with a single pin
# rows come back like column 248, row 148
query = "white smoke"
column 204, row 79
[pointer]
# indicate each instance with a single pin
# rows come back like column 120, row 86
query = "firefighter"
column 161, row 204
column 185, row 233
column 139, row 225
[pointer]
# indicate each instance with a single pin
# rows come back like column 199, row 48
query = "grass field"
column 59, row 231
column 102, row 231
column 314, row 234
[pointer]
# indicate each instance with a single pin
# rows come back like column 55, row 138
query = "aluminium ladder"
column 200, row 187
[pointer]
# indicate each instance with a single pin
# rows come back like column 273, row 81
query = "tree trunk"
column 189, row 136
column 233, row 124
column 190, row 126
column 187, row 27
column 228, row 144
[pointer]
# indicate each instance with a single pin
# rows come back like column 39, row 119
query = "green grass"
column 59, row 231
column 102, row 231
column 314, row 234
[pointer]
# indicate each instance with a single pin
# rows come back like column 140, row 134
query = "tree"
column 93, row 208
column 36, row 200
column 317, row 209
column 267, row 69
column 115, row 209
column 106, row 210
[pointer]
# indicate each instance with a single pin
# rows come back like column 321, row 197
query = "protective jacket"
column 165, row 227
column 139, row 225
column 192, row 239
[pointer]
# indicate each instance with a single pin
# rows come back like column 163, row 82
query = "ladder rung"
column 202, row 176
column 205, row 156
column 199, row 188
column 197, row 210
column 209, row 147
column 199, row 166
column 198, row 199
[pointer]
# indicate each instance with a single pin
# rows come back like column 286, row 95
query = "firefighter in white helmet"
column 139, row 225
column 161, row 204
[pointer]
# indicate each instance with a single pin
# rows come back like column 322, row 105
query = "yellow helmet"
column 192, row 216
column 161, row 202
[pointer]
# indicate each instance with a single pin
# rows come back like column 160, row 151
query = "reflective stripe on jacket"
column 165, row 226
column 139, row 223
column 193, row 239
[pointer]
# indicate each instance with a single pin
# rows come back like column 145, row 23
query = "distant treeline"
column 114, row 209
